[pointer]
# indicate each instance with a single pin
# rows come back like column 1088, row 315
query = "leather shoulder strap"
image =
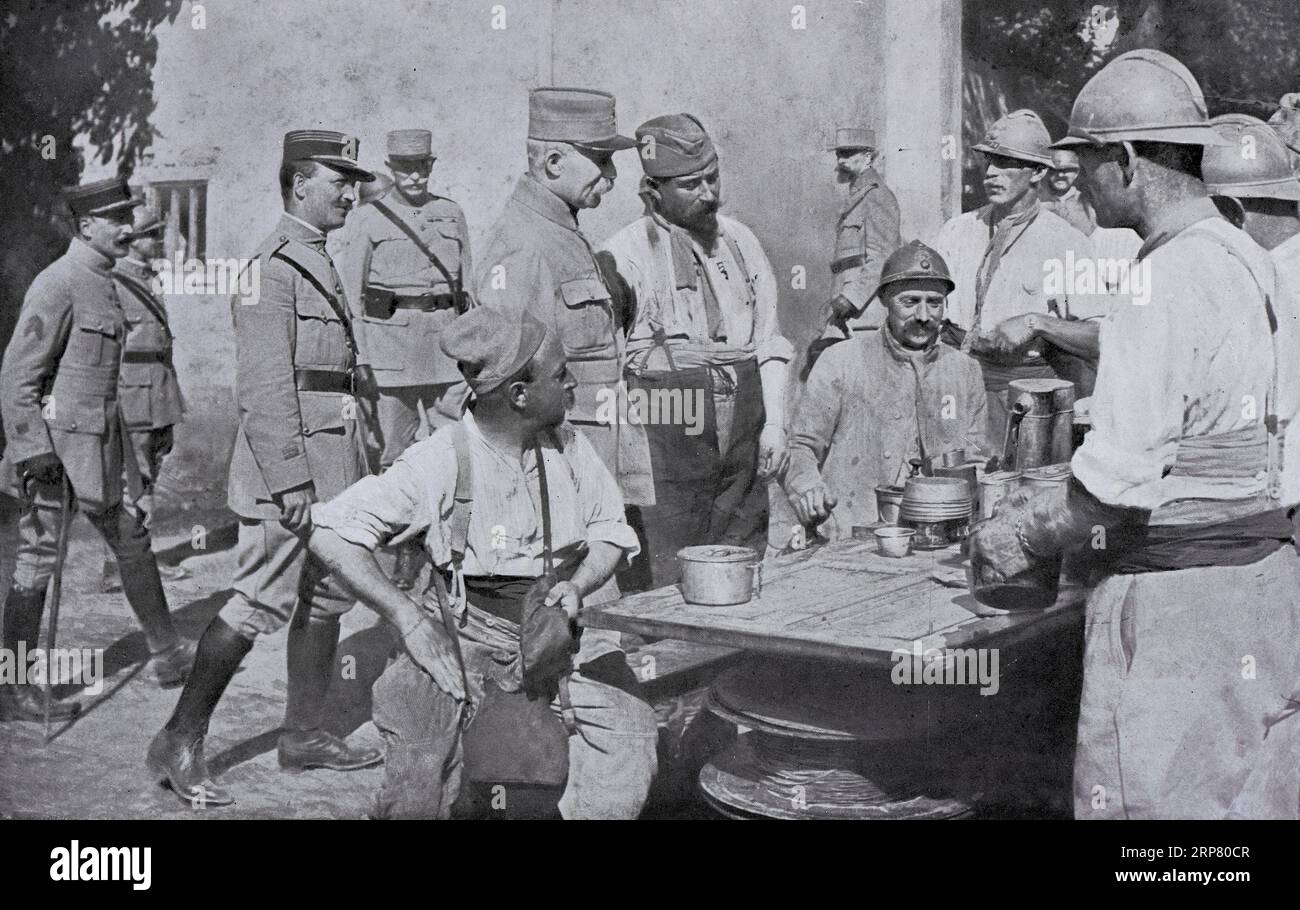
column 463, row 498
column 339, row 309
column 548, row 562
column 453, row 283
column 140, row 293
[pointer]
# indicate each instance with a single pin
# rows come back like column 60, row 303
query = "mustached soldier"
column 63, row 423
column 148, row 390
column 404, row 263
column 301, row 437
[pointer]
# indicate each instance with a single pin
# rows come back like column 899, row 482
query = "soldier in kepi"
column 64, row 425
column 706, row 337
column 405, row 261
column 301, row 437
column 866, row 232
column 148, row 391
column 537, row 260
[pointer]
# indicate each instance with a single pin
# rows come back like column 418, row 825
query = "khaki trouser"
column 273, row 573
column 612, row 756
column 401, row 409
column 1186, row 682
column 122, row 528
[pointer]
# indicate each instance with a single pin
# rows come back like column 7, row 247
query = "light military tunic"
column 59, row 381
column 538, row 261
column 296, row 320
column 149, row 391
column 401, row 344
column 866, row 233
column 1170, row 726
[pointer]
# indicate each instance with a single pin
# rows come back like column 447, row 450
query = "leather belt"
column 146, row 356
column 426, row 302
column 848, row 262
column 323, row 381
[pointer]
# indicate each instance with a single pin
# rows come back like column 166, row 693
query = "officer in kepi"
column 64, row 425
column 405, row 261
column 1181, row 485
column 866, row 231
column 148, row 390
column 301, row 437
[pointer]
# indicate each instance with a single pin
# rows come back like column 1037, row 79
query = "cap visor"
column 344, row 165
column 1278, row 189
column 612, row 144
column 1004, row 152
column 115, row 207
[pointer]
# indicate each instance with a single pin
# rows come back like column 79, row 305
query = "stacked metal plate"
column 934, row 499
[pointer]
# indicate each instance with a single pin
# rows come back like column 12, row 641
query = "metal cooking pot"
column 717, row 575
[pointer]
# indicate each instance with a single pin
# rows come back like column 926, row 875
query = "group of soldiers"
column 404, row 402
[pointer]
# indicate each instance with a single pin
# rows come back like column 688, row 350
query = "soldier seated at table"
column 880, row 399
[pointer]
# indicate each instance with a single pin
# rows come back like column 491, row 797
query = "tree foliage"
column 69, row 68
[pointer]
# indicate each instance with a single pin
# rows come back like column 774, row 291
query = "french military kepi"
column 674, row 145
column 412, row 145
column 102, row 197
column 578, row 116
column 853, row 139
column 335, row 150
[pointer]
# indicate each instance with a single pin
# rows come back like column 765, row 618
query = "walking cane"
column 53, row 592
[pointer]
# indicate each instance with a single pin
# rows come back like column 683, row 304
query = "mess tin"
column 718, row 575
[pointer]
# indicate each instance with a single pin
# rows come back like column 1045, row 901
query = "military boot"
column 176, row 753
column 170, row 655
column 22, row 626
column 312, row 645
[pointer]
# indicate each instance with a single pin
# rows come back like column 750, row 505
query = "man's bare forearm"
column 1077, row 336
column 601, row 561
column 357, row 570
column 772, row 377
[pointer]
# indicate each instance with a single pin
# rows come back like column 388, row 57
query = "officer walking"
column 300, row 438
column 148, row 390
column 866, row 232
column 404, row 264
column 64, row 425
column 538, row 260
column 1190, row 669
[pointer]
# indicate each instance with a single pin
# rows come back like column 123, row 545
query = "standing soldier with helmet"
column 404, row 264
column 67, row 438
column 301, row 438
column 1180, row 485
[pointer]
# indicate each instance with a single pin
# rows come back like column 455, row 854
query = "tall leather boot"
column 22, row 619
column 407, row 567
column 170, row 656
column 176, row 753
column 313, row 642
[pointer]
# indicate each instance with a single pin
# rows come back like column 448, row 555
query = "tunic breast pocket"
column 94, row 341
column 321, row 338
column 586, row 323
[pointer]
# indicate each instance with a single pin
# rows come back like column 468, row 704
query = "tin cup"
column 888, row 501
column 895, row 542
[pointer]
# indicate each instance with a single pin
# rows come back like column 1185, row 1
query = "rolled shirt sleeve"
column 379, row 510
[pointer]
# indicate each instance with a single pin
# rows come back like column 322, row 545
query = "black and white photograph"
column 675, row 410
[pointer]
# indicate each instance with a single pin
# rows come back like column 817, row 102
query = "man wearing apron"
column 705, row 351
column 1191, row 670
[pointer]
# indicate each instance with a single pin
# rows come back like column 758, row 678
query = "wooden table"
column 825, row 718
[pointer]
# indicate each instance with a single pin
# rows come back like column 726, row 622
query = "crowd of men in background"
column 407, row 402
